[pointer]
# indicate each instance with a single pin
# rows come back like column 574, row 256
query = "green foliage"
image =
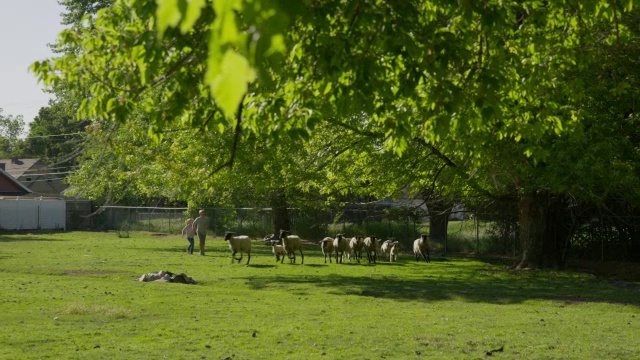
column 332, row 100
column 77, row 295
column 55, row 134
column 76, row 10
column 435, row 70
column 11, row 129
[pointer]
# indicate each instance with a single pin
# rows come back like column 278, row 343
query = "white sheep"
column 238, row 244
column 348, row 252
column 326, row 245
column 278, row 251
column 420, row 248
column 340, row 245
column 390, row 248
column 355, row 248
column 371, row 247
column 291, row 244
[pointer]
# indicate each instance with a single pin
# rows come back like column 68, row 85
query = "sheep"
column 326, row 245
column 385, row 248
column 348, row 252
column 355, row 246
column 268, row 238
column 278, row 251
column 371, row 247
column 390, row 248
column 291, row 244
column 238, row 244
column 395, row 250
column 420, row 247
column 340, row 245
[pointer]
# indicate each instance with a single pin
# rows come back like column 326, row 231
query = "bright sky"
column 26, row 27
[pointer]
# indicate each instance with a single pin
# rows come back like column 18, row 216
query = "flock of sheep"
column 339, row 247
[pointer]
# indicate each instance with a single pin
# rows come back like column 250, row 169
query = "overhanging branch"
column 236, row 140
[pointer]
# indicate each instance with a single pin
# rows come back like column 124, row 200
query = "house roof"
column 17, row 167
column 10, row 186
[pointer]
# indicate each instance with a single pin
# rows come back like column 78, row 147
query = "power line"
column 43, row 180
column 53, row 173
column 49, row 136
column 51, row 168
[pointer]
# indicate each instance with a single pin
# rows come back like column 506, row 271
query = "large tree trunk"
column 439, row 210
column 438, row 224
column 543, row 233
column 280, row 212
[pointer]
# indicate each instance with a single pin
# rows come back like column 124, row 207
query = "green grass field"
column 76, row 296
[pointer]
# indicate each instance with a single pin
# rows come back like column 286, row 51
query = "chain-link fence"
column 603, row 238
column 153, row 219
column 467, row 232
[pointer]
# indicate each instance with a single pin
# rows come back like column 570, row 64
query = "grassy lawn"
column 76, row 296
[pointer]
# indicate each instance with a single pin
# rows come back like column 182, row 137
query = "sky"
column 26, row 27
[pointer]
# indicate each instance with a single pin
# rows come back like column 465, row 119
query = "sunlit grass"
column 76, row 296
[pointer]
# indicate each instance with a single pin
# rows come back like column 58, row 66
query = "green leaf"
column 111, row 104
column 167, row 15
column 277, row 45
column 225, row 22
column 231, row 83
column 194, row 10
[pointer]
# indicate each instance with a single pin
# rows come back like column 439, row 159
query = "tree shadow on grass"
column 504, row 291
column 25, row 238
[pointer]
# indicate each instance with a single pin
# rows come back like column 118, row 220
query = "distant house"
column 9, row 186
column 35, row 175
column 31, row 198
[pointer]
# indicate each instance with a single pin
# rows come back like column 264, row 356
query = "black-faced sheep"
column 278, row 251
column 420, row 248
column 340, row 245
column 371, row 248
column 355, row 246
column 326, row 245
column 238, row 244
column 291, row 244
column 390, row 249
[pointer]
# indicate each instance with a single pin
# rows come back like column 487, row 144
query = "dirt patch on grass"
column 115, row 311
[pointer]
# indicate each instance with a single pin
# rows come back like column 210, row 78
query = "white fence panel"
column 32, row 214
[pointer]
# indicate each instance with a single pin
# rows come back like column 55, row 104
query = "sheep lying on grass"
column 340, row 245
column 278, row 251
column 355, row 246
column 371, row 248
column 390, row 249
column 238, row 244
column 326, row 245
column 420, row 248
column 291, row 244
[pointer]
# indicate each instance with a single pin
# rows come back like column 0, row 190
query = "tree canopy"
column 506, row 99
column 11, row 131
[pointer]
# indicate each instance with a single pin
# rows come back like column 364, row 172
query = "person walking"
column 200, row 225
column 188, row 231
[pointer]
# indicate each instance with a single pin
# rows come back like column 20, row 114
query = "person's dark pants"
column 191, row 245
column 202, row 237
